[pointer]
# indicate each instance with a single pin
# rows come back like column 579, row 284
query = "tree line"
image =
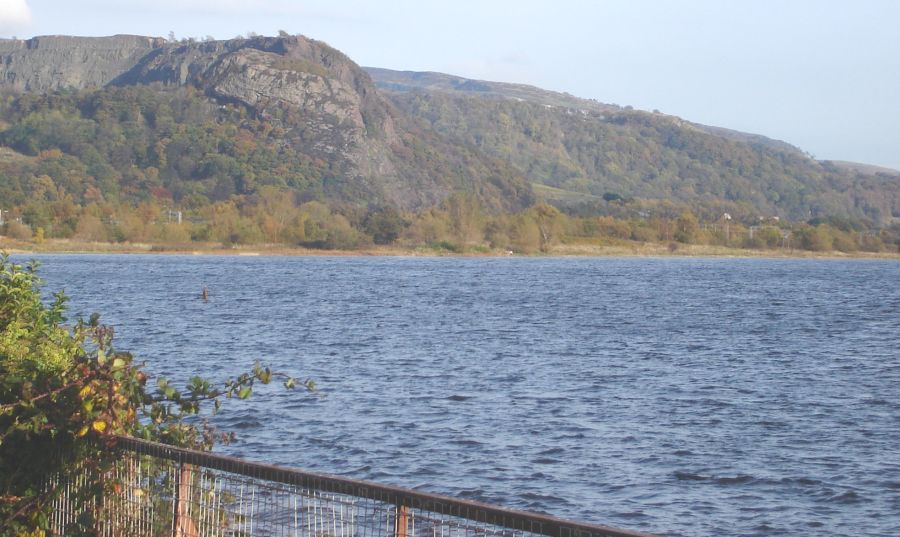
column 280, row 217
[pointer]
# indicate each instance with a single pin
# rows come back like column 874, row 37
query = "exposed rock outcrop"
column 54, row 62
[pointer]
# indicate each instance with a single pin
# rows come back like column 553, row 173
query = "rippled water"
column 678, row 396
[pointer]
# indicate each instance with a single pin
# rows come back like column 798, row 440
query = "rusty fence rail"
column 155, row 490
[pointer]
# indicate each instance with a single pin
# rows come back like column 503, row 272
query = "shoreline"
column 64, row 246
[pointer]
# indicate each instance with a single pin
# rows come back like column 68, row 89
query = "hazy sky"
column 821, row 74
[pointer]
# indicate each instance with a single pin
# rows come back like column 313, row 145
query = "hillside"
column 407, row 81
column 580, row 146
column 304, row 105
column 125, row 118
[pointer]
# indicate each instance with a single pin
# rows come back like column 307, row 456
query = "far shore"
column 625, row 249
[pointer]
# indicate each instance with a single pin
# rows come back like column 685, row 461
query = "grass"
column 610, row 248
column 553, row 193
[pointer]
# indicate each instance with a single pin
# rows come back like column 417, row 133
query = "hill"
column 315, row 120
column 127, row 118
column 584, row 147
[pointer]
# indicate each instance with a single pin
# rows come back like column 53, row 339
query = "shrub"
column 62, row 387
column 19, row 231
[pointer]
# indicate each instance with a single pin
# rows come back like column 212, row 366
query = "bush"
column 816, row 239
column 18, row 231
column 385, row 225
column 61, row 387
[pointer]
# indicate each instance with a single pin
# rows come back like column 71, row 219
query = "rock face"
column 259, row 73
column 54, row 62
column 341, row 114
column 334, row 109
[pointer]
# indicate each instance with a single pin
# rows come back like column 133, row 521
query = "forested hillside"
column 634, row 154
column 285, row 140
column 129, row 144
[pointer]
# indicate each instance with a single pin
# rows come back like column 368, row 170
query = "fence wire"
column 152, row 490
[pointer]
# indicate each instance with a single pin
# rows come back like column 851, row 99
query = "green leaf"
column 245, row 392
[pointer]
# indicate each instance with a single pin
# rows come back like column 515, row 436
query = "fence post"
column 176, row 493
column 401, row 524
column 182, row 524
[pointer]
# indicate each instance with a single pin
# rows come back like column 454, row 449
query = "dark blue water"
column 678, row 396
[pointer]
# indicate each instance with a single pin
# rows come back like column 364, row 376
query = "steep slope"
column 325, row 107
column 584, row 147
column 407, row 81
column 55, row 62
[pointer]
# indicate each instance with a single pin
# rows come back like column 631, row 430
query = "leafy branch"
column 61, row 386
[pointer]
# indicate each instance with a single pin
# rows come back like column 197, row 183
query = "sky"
column 823, row 75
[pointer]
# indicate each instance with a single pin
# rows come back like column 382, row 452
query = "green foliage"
column 60, row 388
column 815, row 238
column 385, row 225
column 616, row 154
column 136, row 143
column 177, row 146
column 688, row 228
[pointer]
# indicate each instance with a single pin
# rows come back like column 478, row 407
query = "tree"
column 687, row 228
column 385, row 225
column 62, row 391
column 275, row 209
column 90, row 228
column 609, row 197
column 524, row 235
column 547, row 218
column 817, row 239
column 465, row 216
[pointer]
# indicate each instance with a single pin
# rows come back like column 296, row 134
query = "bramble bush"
column 64, row 389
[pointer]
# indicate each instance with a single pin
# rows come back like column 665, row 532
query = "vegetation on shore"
column 64, row 389
column 273, row 220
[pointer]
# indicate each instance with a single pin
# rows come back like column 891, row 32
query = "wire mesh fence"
column 153, row 490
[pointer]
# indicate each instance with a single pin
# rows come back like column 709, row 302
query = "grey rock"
column 49, row 63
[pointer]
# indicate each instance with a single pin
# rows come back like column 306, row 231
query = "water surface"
column 677, row 396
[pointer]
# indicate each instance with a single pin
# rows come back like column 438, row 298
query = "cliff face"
column 49, row 63
column 342, row 116
column 332, row 93
column 327, row 105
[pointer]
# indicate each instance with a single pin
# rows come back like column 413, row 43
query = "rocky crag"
column 55, row 62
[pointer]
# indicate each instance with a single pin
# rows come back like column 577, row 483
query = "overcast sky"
column 821, row 74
